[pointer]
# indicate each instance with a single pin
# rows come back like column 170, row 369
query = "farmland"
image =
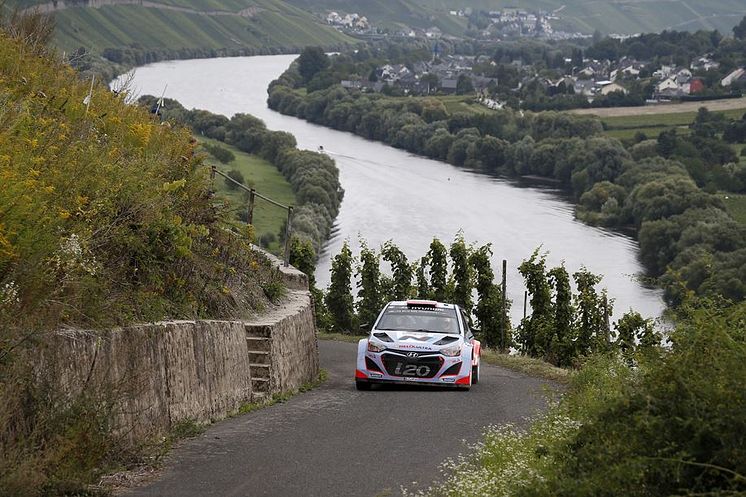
column 262, row 176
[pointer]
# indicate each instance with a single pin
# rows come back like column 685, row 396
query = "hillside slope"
column 608, row 16
column 184, row 27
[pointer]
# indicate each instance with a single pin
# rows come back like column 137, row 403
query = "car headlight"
column 372, row 347
column 453, row 351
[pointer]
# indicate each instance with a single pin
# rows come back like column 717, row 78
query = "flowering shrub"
column 105, row 218
column 105, row 215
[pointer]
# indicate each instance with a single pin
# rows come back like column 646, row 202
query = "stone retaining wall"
column 163, row 373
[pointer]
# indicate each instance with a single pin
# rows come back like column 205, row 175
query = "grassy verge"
column 265, row 178
column 280, row 398
column 518, row 363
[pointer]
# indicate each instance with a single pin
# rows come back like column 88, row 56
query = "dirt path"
column 649, row 110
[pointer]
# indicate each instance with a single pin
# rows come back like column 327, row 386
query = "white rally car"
column 419, row 341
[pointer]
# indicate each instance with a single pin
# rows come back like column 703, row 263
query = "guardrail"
column 252, row 200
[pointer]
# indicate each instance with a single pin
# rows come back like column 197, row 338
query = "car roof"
column 422, row 303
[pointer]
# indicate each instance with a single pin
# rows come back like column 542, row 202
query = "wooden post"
column 525, row 301
column 503, row 324
column 250, row 217
column 607, row 327
column 287, row 236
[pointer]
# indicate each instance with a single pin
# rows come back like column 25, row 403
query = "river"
column 391, row 194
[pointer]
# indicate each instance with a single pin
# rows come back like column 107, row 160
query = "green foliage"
column 401, row 269
column 462, row 273
column 437, row 258
column 237, row 177
column 673, row 425
column 313, row 177
column 303, row 257
column 423, row 285
column 339, row 299
column 494, row 325
column 593, row 312
column 369, row 286
column 536, row 334
column 220, row 153
column 635, row 332
column 312, row 60
column 562, row 350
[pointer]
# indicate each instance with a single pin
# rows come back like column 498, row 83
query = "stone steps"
column 259, row 347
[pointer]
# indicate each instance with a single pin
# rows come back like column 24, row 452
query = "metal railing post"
column 287, row 236
column 503, row 324
column 250, row 218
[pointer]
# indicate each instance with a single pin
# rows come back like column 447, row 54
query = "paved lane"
column 336, row 441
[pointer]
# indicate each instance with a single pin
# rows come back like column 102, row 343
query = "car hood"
column 416, row 340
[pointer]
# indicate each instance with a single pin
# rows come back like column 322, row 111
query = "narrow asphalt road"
column 336, row 441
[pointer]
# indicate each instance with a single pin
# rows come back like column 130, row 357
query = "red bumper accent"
column 360, row 374
column 466, row 380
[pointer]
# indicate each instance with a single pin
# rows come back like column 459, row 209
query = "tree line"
column 563, row 327
column 313, row 177
column 660, row 188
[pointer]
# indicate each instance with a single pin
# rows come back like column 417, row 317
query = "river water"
column 391, row 194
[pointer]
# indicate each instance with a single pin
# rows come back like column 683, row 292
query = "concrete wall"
column 162, row 373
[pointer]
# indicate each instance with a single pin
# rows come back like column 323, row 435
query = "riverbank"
column 391, row 194
column 648, row 186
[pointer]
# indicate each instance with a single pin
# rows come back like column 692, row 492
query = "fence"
column 252, row 200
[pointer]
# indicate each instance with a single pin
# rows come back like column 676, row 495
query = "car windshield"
column 432, row 319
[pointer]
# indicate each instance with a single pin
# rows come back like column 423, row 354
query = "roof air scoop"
column 383, row 337
column 446, row 340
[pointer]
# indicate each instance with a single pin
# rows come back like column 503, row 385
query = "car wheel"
column 475, row 373
column 362, row 385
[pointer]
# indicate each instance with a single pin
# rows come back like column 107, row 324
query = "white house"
column 731, row 78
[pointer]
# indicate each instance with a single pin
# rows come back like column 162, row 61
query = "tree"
column 431, row 81
column 236, row 176
column 462, row 274
column 339, row 299
column 464, row 85
column 437, row 257
column 369, row 286
column 739, row 30
column 423, row 285
column 401, row 269
column 303, row 258
column 494, row 325
column 562, row 350
column 592, row 311
column 536, row 333
column 311, row 61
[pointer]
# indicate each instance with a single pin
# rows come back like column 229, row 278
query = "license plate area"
column 426, row 367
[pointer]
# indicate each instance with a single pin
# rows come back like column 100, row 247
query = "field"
column 625, row 122
column 265, row 178
column 271, row 24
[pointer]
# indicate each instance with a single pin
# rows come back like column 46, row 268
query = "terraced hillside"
column 608, row 16
column 234, row 26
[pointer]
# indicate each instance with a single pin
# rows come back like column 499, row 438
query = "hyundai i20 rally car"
column 419, row 341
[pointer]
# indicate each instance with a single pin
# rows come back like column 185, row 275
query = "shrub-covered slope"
column 105, row 215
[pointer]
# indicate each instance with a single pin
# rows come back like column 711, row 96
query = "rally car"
column 422, row 342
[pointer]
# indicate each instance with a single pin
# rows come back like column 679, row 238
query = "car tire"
column 362, row 385
column 475, row 373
